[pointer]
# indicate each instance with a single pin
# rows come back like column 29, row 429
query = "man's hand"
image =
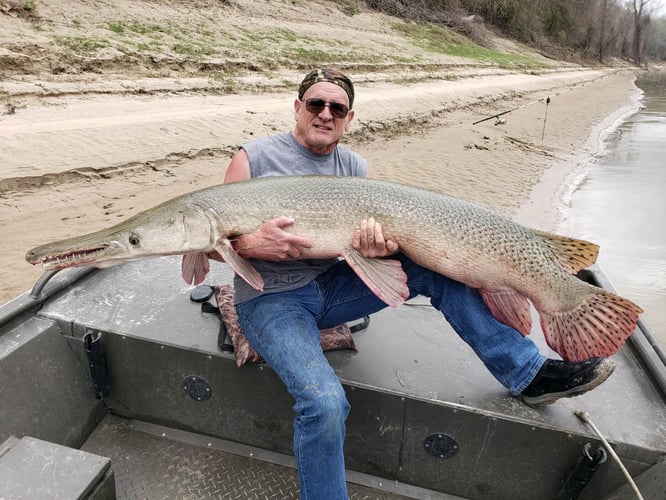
column 271, row 242
column 369, row 240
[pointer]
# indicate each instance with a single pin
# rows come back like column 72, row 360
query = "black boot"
column 563, row 379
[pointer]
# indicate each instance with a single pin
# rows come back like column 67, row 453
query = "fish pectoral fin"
column 385, row 277
column 572, row 254
column 240, row 266
column 509, row 307
column 598, row 326
column 194, row 267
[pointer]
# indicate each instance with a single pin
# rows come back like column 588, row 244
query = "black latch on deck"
column 582, row 473
column 97, row 363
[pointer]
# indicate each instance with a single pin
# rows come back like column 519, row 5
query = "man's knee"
column 327, row 406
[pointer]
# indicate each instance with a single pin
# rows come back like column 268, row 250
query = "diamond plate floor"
column 151, row 467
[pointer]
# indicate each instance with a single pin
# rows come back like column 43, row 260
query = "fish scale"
column 510, row 264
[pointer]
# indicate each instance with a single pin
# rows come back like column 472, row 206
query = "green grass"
column 116, row 27
column 286, row 43
column 144, row 29
column 80, row 43
column 440, row 40
column 199, row 42
column 309, row 55
column 263, row 41
column 124, row 27
column 151, row 36
column 152, row 46
column 192, row 49
column 283, row 34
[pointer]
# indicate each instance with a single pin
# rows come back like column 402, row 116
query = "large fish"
column 507, row 262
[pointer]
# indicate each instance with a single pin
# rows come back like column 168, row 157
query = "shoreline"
column 557, row 185
column 600, row 139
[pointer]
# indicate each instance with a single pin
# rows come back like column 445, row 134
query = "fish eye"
column 134, row 240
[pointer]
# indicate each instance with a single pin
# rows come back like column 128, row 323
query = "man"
column 300, row 296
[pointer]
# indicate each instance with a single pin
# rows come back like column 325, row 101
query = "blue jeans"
column 284, row 328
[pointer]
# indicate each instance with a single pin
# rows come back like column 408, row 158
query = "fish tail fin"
column 598, row 326
column 571, row 253
column 509, row 307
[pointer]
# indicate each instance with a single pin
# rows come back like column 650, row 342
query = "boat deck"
column 151, row 461
column 413, row 385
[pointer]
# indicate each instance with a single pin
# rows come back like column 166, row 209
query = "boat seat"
column 33, row 468
column 232, row 339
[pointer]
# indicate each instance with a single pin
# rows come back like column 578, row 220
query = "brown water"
column 621, row 205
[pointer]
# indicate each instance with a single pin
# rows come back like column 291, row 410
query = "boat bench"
column 33, row 468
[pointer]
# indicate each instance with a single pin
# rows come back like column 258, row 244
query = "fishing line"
column 569, row 89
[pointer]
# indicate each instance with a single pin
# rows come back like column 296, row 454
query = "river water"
column 621, row 205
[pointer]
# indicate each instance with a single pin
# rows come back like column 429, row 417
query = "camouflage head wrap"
column 328, row 75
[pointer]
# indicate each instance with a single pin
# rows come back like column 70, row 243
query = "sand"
column 73, row 164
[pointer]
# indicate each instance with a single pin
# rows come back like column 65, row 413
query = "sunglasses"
column 316, row 106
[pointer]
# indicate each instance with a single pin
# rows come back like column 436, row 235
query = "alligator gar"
column 511, row 265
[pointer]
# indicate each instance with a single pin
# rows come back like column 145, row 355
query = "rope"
column 585, row 417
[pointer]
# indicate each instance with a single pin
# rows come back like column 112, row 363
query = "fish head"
column 163, row 230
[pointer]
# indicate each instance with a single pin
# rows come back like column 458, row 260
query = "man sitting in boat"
column 282, row 322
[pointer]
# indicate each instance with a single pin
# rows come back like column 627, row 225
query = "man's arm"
column 239, row 168
column 269, row 241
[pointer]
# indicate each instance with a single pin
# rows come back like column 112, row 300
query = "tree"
column 656, row 46
column 641, row 23
column 602, row 30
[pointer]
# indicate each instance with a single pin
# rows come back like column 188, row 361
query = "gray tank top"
column 282, row 154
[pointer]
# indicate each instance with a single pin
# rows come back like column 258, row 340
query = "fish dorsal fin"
column 385, row 277
column 572, row 254
column 509, row 307
column 240, row 266
column 598, row 326
column 194, row 267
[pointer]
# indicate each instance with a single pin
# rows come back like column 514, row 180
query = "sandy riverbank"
column 72, row 163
